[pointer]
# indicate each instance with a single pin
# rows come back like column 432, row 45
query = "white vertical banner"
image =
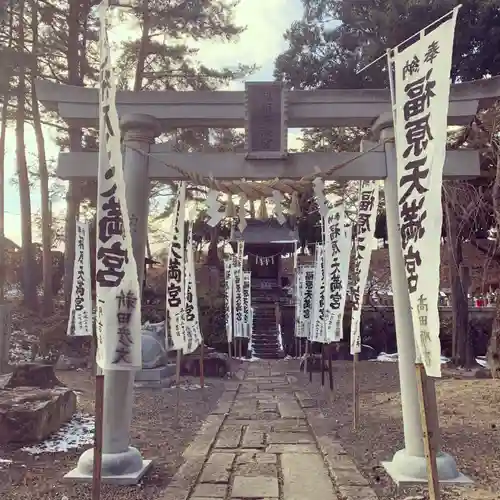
column 193, row 332
column 318, row 324
column 247, row 283
column 237, row 270
column 333, row 257
column 421, row 91
column 307, row 301
column 365, row 242
column 176, row 270
column 118, row 319
column 299, row 302
column 228, row 288
column 80, row 316
column 345, row 260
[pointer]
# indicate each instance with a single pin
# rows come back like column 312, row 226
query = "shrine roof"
column 268, row 231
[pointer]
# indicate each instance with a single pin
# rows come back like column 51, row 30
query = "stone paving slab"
column 266, row 441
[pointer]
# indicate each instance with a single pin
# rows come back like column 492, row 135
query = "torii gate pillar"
column 121, row 463
column 409, row 465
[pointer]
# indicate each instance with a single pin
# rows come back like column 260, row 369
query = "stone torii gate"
column 266, row 110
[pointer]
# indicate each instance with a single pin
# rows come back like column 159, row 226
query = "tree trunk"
column 252, row 209
column 28, row 281
column 48, row 305
column 143, row 44
column 464, row 342
column 493, row 355
column 459, row 290
column 212, row 253
column 75, row 77
column 3, row 132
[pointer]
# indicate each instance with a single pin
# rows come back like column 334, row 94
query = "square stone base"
column 155, row 376
column 76, row 476
column 401, row 480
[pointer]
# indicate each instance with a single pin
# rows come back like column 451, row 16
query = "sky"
column 260, row 44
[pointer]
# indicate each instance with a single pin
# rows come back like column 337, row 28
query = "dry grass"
column 153, row 432
column 469, row 421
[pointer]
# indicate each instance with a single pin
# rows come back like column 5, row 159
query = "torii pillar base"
column 410, row 470
column 124, row 469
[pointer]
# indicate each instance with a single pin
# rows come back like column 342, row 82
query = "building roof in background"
column 10, row 245
column 268, row 231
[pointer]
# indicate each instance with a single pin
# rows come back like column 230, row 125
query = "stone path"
column 266, row 441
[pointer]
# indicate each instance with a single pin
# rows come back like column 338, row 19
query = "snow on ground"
column 250, row 360
column 393, row 358
column 79, row 431
column 4, row 462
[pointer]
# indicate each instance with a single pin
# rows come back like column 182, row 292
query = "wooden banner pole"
column 323, row 365
column 423, row 383
column 330, row 367
column 99, row 414
column 311, row 350
column 355, row 391
column 202, row 364
column 177, row 382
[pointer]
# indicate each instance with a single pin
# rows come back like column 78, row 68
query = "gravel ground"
column 469, row 421
column 153, row 432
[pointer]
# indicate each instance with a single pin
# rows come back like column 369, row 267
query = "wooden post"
column 310, row 361
column 99, row 413
column 177, row 382
column 202, row 364
column 330, row 367
column 355, row 391
column 240, row 347
column 427, row 427
column 5, row 332
column 322, row 365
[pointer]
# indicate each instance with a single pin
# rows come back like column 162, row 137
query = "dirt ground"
column 153, row 432
column 469, row 421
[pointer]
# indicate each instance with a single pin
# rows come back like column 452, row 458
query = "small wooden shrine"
column 267, row 244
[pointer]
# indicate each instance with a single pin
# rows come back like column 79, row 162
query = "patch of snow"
column 393, row 358
column 481, row 361
column 79, row 431
column 4, row 461
column 186, row 386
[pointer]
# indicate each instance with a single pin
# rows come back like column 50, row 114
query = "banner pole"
column 355, row 391
column 425, row 414
column 177, row 382
column 202, row 364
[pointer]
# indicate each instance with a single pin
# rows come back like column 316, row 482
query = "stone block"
column 31, row 375
column 209, row 490
column 259, row 457
column 289, row 438
column 292, row 448
column 155, row 376
column 255, row 487
column 228, row 439
column 31, row 414
column 253, row 439
column 216, row 473
column 304, row 475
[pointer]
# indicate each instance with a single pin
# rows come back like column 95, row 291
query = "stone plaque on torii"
column 265, row 110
